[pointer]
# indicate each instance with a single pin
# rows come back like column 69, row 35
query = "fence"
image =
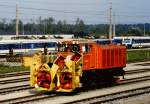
column 10, row 64
column 11, row 60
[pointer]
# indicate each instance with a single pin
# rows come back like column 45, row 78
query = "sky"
column 90, row 11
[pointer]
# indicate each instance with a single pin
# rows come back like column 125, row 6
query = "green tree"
column 12, row 26
column 79, row 26
column 48, row 25
column 59, row 27
column 135, row 31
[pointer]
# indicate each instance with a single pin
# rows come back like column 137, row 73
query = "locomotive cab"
column 68, row 47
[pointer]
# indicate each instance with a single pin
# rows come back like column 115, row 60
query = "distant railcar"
column 25, row 45
column 102, row 41
column 21, row 46
column 133, row 41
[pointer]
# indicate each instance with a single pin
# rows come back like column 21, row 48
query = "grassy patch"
column 138, row 55
column 7, row 69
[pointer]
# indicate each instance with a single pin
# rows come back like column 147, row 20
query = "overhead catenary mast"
column 110, row 22
column 17, row 21
column 144, row 29
column 114, row 26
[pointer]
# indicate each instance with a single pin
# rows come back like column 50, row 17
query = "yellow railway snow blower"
column 59, row 71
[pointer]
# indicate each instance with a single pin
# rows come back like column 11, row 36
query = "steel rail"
column 113, row 96
column 14, row 74
column 27, row 86
column 14, row 80
column 27, row 78
column 15, row 88
column 42, row 96
column 137, row 71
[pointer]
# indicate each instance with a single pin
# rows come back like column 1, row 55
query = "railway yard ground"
column 134, row 89
column 74, row 52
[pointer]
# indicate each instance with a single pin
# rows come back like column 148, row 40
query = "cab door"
column 86, row 56
column 89, row 57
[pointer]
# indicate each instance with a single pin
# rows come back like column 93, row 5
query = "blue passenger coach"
column 133, row 41
column 19, row 46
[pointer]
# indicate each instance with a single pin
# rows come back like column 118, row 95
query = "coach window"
column 146, row 40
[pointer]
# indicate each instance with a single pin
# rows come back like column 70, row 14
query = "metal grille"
column 11, row 60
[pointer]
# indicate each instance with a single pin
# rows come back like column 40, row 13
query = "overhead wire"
column 52, row 2
column 51, row 10
column 73, row 12
column 70, row 12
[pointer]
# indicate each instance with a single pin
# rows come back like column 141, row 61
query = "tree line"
column 80, row 29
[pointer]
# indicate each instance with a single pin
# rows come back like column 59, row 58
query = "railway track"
column 14, row 74
column 11, row 89
column 42, row 95
column 138, row 71
column 11, row 78
column 17, row 74
column 15, row 88
column 27, row 86
column 27, row 72
column 108, row 98
column 33, row 97
column 14, row 80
